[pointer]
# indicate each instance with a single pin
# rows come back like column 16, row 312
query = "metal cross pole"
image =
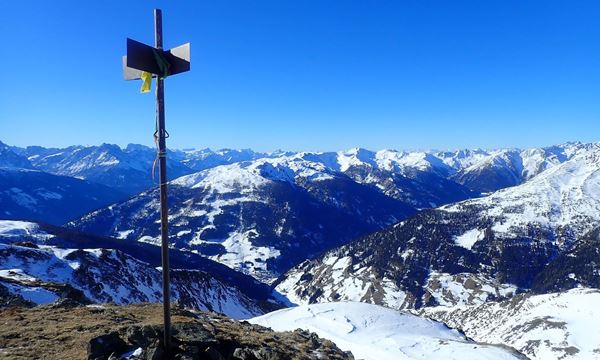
column 142, row 61
column 164, row 211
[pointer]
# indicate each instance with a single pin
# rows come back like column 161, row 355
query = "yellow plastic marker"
column 147, row 81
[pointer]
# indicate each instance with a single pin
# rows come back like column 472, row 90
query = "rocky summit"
column 68, row 330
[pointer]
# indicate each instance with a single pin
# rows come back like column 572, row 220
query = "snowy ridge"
column 565, row 196
column 249, row 176
column 128, row 169
column 21, row 229
column 514, row 166
column 551, row 326
column 493, row 170
column 416, row 178
column 56, row 258
column 372, row 332
column 389, row 160
column 462, row 159
column 112, row 276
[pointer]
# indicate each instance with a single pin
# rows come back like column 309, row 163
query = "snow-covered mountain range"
column 514, row 240
column 511, row 235
column 129, row 169
column 11, row 160
column 252, row 210
column 260, row 217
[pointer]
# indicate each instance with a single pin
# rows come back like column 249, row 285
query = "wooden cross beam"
column 144, row 58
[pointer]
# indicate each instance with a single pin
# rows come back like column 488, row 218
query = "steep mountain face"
column 373, row 332
column 34, row 268
column 499, row 170
column 469, row 252
column 487, row 171
column 10, row 159
column 550, row 326
column 416, row 178
column 35, row 195
column 260, row 217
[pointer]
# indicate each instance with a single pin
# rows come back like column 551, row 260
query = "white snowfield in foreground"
column 372, row 332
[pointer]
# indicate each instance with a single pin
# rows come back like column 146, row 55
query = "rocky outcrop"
column 135, row 332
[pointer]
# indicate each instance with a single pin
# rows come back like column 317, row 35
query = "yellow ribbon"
column 146, row 81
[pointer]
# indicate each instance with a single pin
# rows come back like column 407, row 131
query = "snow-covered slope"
column 251, row 215
column 256, row 215
column 519, row 238
column 42, row 263
column 373, row 332
column 40, row 275
column 498, row 170
column 15, row 230
column 35, row 195
column 550, row 326
column 566, row 197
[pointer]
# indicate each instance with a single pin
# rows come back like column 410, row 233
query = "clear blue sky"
column 307, row 75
